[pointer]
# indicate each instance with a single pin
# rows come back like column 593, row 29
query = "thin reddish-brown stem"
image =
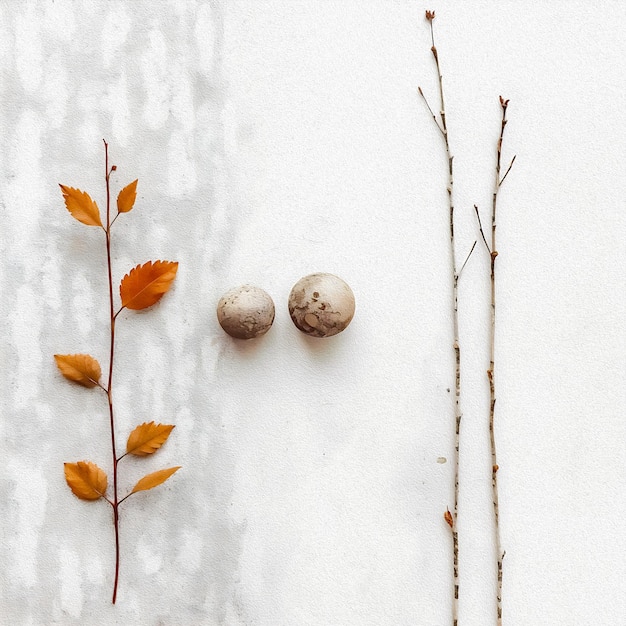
column 109, row 388
column 450, row 517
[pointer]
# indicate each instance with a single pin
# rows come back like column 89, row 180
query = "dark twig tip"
column 467, row 258
column 430, row 15
column 480, row 228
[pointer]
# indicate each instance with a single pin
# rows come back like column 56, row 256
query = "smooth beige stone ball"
column 321, row 305
column 245, row 312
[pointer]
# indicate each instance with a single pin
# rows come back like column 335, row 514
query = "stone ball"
column 246, row 312
column 321, row 305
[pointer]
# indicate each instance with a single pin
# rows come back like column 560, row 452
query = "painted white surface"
column 273, row 139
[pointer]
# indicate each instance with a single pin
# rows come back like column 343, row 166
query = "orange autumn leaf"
column 126, row 198
column 79, row 368
column 86, row 480
column 155, row 479
column 81, row 206
column 145, row 284
column 147, row 438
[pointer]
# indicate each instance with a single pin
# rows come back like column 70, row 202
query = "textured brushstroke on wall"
column 149, row 78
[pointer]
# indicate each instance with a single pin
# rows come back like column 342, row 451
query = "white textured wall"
column 272, row 139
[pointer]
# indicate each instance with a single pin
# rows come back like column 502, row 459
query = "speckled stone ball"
column 245, row 312
column 321, row 305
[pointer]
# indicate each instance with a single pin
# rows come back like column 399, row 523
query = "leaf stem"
column 451, row 517
column 109, row 389
column 128, row 495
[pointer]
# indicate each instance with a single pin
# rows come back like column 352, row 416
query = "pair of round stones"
column 320, row 305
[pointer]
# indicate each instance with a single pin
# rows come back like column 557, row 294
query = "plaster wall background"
column 272, row 139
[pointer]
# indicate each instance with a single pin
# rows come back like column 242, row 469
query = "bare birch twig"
column 450, row 517
column 493, row 253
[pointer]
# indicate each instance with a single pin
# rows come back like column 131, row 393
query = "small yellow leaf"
column 86, row 480
column 147, row 438
column 155, row 479
column 145, row 284
column 81, row 206
column 79, row 368
column 126, row 198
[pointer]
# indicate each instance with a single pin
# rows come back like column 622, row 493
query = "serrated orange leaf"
column 79, row 368
column 155, row 479
column 81, row 206
column 86, row 480
column 145, row 284
column 148, row 438
column 126, row 198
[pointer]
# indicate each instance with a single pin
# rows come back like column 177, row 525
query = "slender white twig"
column 450, row 517
column 493, row 253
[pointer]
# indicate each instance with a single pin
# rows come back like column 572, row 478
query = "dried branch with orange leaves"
column 141, row 288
